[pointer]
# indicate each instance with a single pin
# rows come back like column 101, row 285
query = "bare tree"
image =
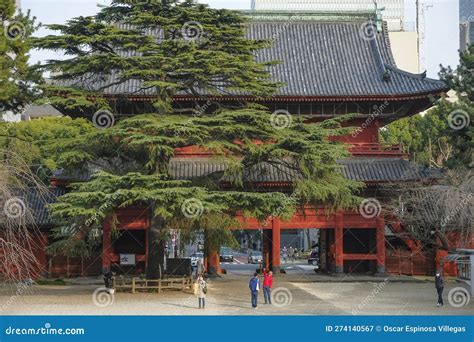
column 431, row 213
column 19, row 234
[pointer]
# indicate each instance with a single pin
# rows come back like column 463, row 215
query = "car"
column 313, row 258
column 226, row 255
column 195, row 257
column 255, row 258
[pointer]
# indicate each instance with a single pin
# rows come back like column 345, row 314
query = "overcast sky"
column 442, row 23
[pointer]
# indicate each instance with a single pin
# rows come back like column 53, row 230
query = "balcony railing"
column 376, row 149
column 357, row 149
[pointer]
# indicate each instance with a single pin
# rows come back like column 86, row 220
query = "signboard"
column 127, row 259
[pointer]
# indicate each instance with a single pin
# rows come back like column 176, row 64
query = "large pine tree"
column 165, row 48
column 153, row 46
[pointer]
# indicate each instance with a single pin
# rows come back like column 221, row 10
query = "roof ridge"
column 386, row 38
column 309, row 15
column 376, row 49
column 420, row 76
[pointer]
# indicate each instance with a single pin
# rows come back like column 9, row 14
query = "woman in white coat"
column 200, row 291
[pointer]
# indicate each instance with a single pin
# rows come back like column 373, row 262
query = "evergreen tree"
column 461, row 117
column 165, row 47
column 37, row 141
column 461, row 79
column 442, row 137
column 18, row 80
column 135, row 154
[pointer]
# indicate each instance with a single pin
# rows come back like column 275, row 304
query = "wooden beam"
column 360, row 256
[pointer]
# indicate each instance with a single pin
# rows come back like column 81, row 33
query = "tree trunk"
column 209, row 252
column 442, row 238
column 156, row 248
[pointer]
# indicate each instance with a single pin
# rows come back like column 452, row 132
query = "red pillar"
column 266, row 247
column 106, row 245
column 276, row 225
column 338, row 242
column 380, row 223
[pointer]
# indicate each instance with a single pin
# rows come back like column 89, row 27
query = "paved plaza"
column 293, row 294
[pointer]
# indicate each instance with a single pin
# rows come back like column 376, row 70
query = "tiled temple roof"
column 336, row 59
column 317, row 58
column 36, row 202
column 368, row 170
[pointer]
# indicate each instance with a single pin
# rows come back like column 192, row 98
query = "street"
column 240, row 266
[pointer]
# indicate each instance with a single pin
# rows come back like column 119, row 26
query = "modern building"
column 466, row 23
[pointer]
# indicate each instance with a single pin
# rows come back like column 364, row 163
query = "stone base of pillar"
column 276, row 269
column 339, row 269
column 380, row 270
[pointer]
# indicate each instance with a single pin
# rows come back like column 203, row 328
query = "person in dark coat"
column 439, row 284
column 254, row 285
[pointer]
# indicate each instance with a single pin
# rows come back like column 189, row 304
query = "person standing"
column 439, row 284
column 291, row 253
column 284, row 254
column 199, row 267
column 201, row 291
column 254, row 285
column 267, row 286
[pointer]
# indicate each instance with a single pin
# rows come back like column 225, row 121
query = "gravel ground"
column 229, row 295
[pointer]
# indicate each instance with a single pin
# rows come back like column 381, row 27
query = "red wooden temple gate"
column 363, row 80
column 137, row 218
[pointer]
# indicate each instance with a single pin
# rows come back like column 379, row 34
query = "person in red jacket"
column 267, row 286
